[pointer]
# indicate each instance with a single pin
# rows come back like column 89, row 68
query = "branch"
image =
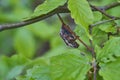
column 62, row 9
column 94, row 62
column 104, row 8
column 107, row 7
column 33, row 20
column 102, row 11
column 95, row 69
column 102, row 22
column 111, row 5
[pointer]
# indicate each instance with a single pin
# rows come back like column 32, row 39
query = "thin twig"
column 94, row 62
column 103, row 22
column 91, row 43
column 107, row 7
column 60, row 19
column 95, row 69
column 112, row 5
column 93, row 53
column 103, row 12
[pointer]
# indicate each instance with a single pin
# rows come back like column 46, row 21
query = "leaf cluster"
column 60, row 62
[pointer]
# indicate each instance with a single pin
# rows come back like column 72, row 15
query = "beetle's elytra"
column 68, row 35
column 68, row 38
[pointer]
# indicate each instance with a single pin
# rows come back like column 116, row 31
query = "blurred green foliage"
column 21, row 48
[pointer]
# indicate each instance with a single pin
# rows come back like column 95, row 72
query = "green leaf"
column 110, row 71
column 81, row 12
column 24, row 43
column 99, row 37
column 110, row 51
column 38, row 73
column 97, row 49
column 4, row 68
column 36, row 70
column 56, row 51
column 15, row 60
column 67, row 66
column 47, row 6
column 14, row 72
column 81, row 32
column 108, row 28
column 97, row 16
column 57, row 41
column 12, row 66
column 70, row 66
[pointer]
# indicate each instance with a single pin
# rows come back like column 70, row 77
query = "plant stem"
column 102, row 22
column 94, row 62
column 103, row 12
column 112, row 5
column 95, row 69
column 60, row 19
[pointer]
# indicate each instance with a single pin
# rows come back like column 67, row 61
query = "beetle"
column 68, row 35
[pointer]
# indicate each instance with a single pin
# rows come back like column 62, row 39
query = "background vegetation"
column 37, row 52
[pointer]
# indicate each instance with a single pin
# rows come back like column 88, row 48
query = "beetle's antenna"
column 60, row 19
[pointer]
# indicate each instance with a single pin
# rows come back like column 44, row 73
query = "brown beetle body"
column 68, row 35
column 68, row 38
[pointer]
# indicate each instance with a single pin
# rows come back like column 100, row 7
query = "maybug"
column 68, row 35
